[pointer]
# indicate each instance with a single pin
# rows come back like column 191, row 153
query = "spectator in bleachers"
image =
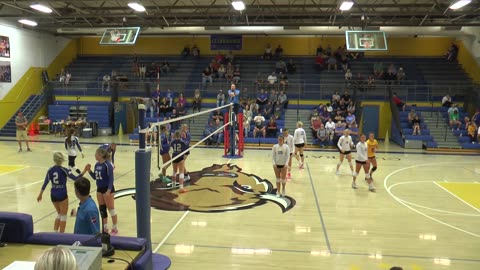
column 186, row 51
column 447, row 101
column 209, row 129
column 322, row 135
column 279, row 51
column 370, row 83
column 348, row 75
column 262, row 98
column 350, row 119
column 220, row 98
column 319, row 62
column 182, row 100
column 272, row 80
column 272, row 128
column 342, row 106
column 332, row 63
column 378, row 70
column 213, row 67
column 282, row 98
column 106, row 83
column 259, row 121
column 267, row 110
column 206, row 76
column 335, row 97
column 328, row 50
column 247, row 119
column 273, row 97
column 61, row 77
column 219, row 58
column 315, row 123
column 163, row 107
column 324, row 114
column 416, row 125
column 391, row 73
column 229, row 73
column 217, row 115
column 180, row 109
column 339, row 117
column 278, row 111
column 195, row 51
column 411, row 116
column 280, row 66
column 291, row 67
column 344, row 62
column 452, row 52
column 319, row 50
column 236, row 76
column 330, row 127
column 346, row 97
column 149, row 106
column 68, row 77
column 165, row 67
column 170, row 96
column 351, row 107
column 283, row 80
column 476, row 118
column 221, row 71
column 267, row 52
column 197, row 101
column 472, row 132
column 230, row 57
column 454, row 119
column 401, row 75
column 400, row 104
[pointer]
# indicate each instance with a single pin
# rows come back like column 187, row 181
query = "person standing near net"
column 234, row 97
column 178, row 147
column 345, row 144
column 300, row 141
column 288, row 139
column 186, row 137
column 103, row 175
column 280, row 156
column 164, row 152
column 71, row 143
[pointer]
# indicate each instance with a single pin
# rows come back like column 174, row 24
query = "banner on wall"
column 225, row 42
column 5, row 71
column 4, row 46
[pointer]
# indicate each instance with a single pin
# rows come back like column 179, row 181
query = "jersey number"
column 55, row 178
column 98, row 175
column 177, row 148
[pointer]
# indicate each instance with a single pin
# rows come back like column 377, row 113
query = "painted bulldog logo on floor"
column 217, row 188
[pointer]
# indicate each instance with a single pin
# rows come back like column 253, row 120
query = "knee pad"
column 374, row 168
column 112, row 212
column 58, row 216
column 367, row 176
column 355, row 174
column 63, row 217
column 279, row 180
column 181, row 176
column 103, row 210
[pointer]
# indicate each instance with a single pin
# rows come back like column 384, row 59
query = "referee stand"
column 230, row 146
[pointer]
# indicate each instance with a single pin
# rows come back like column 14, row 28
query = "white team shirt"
column 300, row 136
column 72, row 148
column 345, row 143
column 362, row 151
column 330, row 126
column 288, row 140
column 280, row 154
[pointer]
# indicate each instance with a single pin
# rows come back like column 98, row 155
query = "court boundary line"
column 415, row 210
column 319, row 211
column 462, row 200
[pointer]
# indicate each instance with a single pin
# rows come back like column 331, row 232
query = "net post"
column 233, row 123
column 226, row 137
column 240, row 134
column 142, row 185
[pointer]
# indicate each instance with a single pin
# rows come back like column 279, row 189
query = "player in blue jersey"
column 178, row 146
column 87, row 221
column 57, row 175
column 103, row 175
column 186, row 137
column 71, row 145
column 111, row 148
column 164, row 148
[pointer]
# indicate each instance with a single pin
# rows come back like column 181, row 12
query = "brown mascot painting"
column 217, row 188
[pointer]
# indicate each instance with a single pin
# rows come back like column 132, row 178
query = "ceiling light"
column 346, row 5
column 41, row 8
column 136, row 6
column 238, row 5
column 460, row 4
column 28, row 22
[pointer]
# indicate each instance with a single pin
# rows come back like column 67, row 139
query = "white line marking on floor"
column 451, row 193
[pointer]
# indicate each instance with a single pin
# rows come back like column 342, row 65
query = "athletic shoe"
column 354, row 185
column 165, row 179
column 187, row 177
column 372, row 189
column 182, row 190
column 29, row 150
column 114, row 232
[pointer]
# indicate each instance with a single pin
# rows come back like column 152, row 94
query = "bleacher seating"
column 96, row 111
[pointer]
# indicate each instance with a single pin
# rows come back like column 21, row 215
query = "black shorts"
column 345, row 152
column 58, row 199
column 360, row 162
column 291, row 154
column 370, row 158
column 280, row 166
column 103, row 190
column 178, row 160
column 71, row 161
column 299, row 145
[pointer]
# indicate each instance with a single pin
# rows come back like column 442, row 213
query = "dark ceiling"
column 289, row 13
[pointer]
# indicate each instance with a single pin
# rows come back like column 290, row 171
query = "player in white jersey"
column 71, row 144
column 345, row 145
column 280, row 157
column 361, row 160
column 288, row 139
column 300, row 141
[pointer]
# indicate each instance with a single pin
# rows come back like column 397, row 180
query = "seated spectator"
column 282, row 99
column 447, row 101
column 330, row 127
column 163, row 107
column 319, row 50
column 400, row 104
column 272, row 128
column 151, row 134
column 324, row 114
column 219, row 58
column 267, row 52
column 342, row 107
column 472, row 132
column 273, row 97
column 247, row 119
column 280, row 66
column 230, row 57
column 319, row 63
column 170, row 96
column 57, row 258
column 346, row 97
column 454, row 119
column 259, row 125
column 220, row 98
column 348, row 75
column 186, row 51
column 315, row 123
column 378, row 70
column 350, row 119
column 157, row 96
column 283, row 80
column 236, row 75
column 207, row 76
column 272, row 80
column 339, row 117
column 165, row 67
column 332, row 63
column 106, row 83
column 401, row 75
column 452, row 52
column 411, row 116
column 197, row 101
column 351, row 107
column 267, row 110
column 149, row 106
column 279, row 51
column 262, row 98
column 322, row 135
column 291, row 67
column 416, row 126
column 335, row 97
column 181, row 99
column 217, row 115
column 213, row 67
column 195, row 51
column 278, row 111
column 180, row 109
column 221, row 71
